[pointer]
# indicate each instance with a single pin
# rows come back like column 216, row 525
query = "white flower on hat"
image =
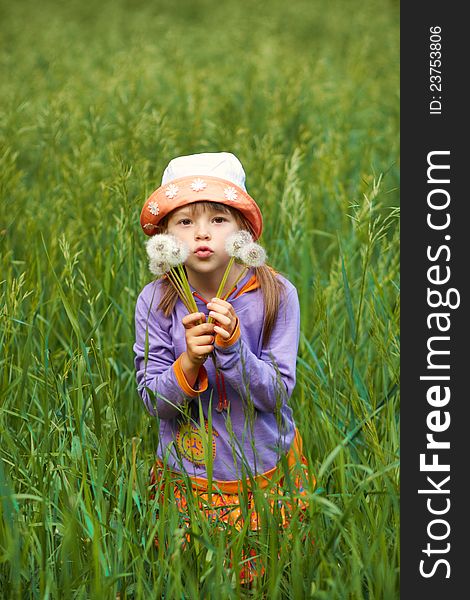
column 230, row 193
column 153, row 207
column 149, row 226
column 171, row 191
column 198, row 184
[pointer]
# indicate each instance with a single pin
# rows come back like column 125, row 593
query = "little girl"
column 253, row 335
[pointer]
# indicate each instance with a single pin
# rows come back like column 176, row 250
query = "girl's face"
column 204, row 228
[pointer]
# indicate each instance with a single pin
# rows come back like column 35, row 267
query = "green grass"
column 96, row 99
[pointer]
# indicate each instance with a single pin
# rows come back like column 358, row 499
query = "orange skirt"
column 224, row 509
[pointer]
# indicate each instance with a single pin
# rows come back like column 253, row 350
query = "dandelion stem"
column 176, row 283
column 180, row 282
column 242, row 274
column 225, row 277
column 190, row 296
column 224, row 280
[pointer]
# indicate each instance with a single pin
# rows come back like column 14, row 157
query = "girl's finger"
column 193, row 319
column 203, row 340
column 222, row 319
column 222, row 332
column 221, row 302
column 201, row 350
column 222, row 310
column 203, row 329
column 218, row 307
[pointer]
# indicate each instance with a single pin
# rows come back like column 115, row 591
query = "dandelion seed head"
column 157, row 246
column 252, row 255
column 235, row 242
column 177, row 252
column 158, row 266
column 165, row 251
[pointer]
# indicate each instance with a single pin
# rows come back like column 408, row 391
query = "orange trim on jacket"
column 183, row 382
column 251, row 284
column 223, row 343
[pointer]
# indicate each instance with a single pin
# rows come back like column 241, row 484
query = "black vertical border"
column 421, row 133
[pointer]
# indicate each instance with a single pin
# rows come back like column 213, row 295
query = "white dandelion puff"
column 252, row 255
column 198, row 184
column 177, row 252
column 166, row 255
column 165, row 251
column 157, row 247
column 158, row 266
column 235, row 242
column 171, row 191
column 153, row 208
column 230, row 193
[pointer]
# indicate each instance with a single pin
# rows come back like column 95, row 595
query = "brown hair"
column 271, row 286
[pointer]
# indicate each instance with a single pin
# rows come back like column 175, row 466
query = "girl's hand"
column 199, row 340
column 225, row 317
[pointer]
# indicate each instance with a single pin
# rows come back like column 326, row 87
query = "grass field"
column 96, row 99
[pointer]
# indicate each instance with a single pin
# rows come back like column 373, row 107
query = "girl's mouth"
column 203, row 252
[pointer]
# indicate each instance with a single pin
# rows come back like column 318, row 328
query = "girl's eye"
column 184, row 222
column 219, row 219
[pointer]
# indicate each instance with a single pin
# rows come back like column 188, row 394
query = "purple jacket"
column 258, row 428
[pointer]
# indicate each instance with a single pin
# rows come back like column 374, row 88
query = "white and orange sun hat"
column 210, row 176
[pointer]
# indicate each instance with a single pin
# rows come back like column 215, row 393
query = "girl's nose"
column 201, row 233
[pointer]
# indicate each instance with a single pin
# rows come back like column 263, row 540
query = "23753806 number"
column 435, row 47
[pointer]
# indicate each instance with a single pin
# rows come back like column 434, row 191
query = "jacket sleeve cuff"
column 222, row 343
column 201, row 381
